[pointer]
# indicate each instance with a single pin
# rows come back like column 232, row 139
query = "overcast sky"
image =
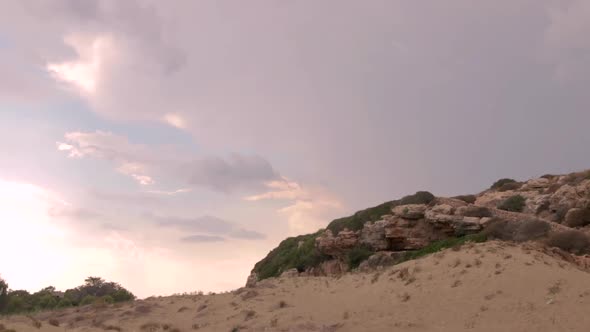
column 169, row 145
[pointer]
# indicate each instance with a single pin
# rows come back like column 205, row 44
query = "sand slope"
column 492, row 286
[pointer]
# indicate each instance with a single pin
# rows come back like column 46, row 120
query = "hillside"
column 493, row 286
column 548, row 205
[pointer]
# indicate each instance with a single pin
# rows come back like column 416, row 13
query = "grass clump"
column 514, row 203
column 444, row 244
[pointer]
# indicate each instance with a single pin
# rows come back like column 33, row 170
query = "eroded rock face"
column 290, row 273
column 332, row 267
column 252, row 279
column 407, row 234
column 337, row 245
column 373, row 235
column 410, row 211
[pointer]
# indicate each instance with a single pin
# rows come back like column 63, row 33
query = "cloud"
column 147, row 163
column 202, row 239
column 207, row 224
column 309, row 208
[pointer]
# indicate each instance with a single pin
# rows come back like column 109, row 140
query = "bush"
column 577, row 217
column 357, row 255
column 420, row 197
column 517, row 231
column 64, row 303
column 122, row 295
column 88, row 299
column 501, row 182
column 470, row 199
column 514, row 203
column 358, row 220
column 573, row 241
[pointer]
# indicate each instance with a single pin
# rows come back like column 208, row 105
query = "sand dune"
column 492, row 286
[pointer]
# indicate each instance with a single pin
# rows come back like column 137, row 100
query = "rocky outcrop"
column 410, row 211
column 563, row 201
column 337, row 245
column 252, row 279
column 373, row 235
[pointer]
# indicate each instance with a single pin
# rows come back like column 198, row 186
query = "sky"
column 169, row 145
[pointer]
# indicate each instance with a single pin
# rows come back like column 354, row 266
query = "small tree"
column 3, row 295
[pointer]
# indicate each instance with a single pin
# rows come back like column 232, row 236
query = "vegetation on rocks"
column 444, row 244
column 498, row 184
column 94, row 290
column 358, row 220
column 295, row 252
column 514, row 203
column 357, row 255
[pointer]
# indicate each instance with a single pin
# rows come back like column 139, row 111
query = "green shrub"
column 470, row 199
column 64, row 303
column 88, row 299
column 420, row 197
column 122, row 295
column 357, row 255
column 514, row 203
column 501, row 182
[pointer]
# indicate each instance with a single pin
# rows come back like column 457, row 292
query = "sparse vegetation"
column 95, row 291
column 444, row 244
column 514, row 203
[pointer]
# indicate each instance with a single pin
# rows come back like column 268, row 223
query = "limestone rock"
column 404, row 234
column 373, row 235
column 443, row 209
column 473, row 211
column 337, row 245
column 332, row 267
column 290, row 273
column 252, row 279
column 410, row 211
column 536, row 184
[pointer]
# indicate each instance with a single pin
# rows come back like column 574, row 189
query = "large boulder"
column 337, row 245
column 290, row 273
column 536, row 184
column 473, row 211
column 410, row 211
